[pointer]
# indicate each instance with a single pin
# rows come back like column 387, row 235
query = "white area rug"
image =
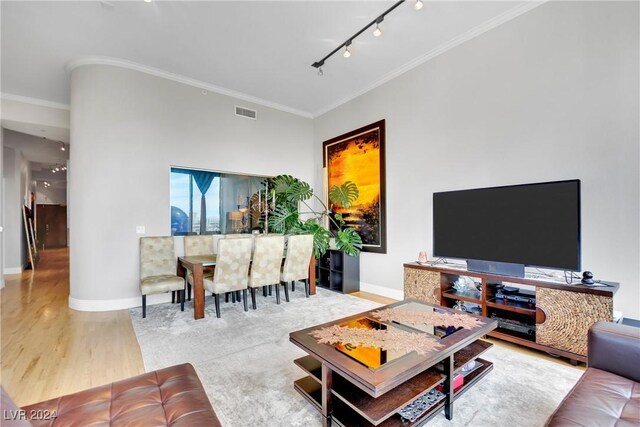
column 245, row 362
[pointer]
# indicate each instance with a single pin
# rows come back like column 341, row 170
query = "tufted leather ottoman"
column 608, row 393
column 168, row 397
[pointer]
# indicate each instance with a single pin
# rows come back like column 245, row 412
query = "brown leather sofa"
column 608, row 393
column 172, row 396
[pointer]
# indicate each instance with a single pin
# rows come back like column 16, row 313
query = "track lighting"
column 347, row 52
column 62, row 147
column 377, row 32
column 320, row 72
column 418, row 5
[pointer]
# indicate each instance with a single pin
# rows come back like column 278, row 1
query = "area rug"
column 245, row 362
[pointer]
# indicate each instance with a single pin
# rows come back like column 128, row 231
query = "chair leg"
column 226, row 297
column 293, row 285
column 144, row 306
column 286, row 291
column 173, row 297
column 189, row 291
column 181, row 293
column 270, row 289
column 244, row 299
column 238, row 297
column 264, row 291
column 233, row 297
column 277, row 294
column 217, row 300
column 306, row 288
column 253, row 297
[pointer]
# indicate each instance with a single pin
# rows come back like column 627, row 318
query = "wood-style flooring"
column 48, row 349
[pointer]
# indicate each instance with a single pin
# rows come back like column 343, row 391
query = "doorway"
column 51, row 226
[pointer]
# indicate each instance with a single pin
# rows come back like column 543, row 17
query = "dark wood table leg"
column 312, row 276
column 198, row 292
column 448, row 387
column 327, row 380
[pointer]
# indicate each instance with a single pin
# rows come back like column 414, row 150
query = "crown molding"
column 34, row 101
column 456, row 41
column 98, row 60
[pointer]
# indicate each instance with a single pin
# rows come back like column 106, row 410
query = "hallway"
column 47, row 348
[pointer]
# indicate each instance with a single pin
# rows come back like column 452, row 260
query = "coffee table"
column 367, row 386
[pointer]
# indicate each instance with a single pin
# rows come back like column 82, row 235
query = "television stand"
column 542, row 314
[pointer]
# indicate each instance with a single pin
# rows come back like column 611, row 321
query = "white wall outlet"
column 140, row 229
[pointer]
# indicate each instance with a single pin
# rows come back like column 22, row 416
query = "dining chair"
column 232, row 270
column 158, row 266
column 195, row 246
column 296, row 264
column 236, row 236
column 265, row 266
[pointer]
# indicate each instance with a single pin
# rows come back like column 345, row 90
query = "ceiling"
column 260, row 50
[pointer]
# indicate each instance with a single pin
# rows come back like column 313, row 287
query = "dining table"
column 197, row 264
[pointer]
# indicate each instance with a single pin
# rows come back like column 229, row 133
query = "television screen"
column 532, row 224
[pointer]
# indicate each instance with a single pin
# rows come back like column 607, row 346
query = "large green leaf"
column 282, row 183
column 283, row 219
column 321, row 236
column 298, row 191
column 344, row 195
column 349, row 241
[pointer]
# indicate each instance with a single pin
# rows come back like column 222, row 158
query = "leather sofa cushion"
column 601, row 399
column 168, row 397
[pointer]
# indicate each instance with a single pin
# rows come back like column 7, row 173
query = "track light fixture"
column 347, row 52
column 62, row 147
column 377, row 32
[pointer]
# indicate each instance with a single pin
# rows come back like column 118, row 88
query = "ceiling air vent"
column 246, row 113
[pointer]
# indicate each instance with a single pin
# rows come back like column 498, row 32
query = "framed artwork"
column 359, row 156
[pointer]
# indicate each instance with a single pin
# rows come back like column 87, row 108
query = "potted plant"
column 288, row 194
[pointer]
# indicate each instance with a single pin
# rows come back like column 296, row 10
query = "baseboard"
column 12, row 270
column 116, row 304
column 382, row 291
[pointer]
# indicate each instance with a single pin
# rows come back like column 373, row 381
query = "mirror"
column 212, row 202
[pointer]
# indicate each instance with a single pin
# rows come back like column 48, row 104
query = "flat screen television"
column 501, row 229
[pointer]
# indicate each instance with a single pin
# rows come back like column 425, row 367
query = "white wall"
column 50, row 195
column 14, row 248
column 2, row 209
column 127, row 129
column 550, row 95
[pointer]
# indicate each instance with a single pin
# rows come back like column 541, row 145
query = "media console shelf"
column 553, row 317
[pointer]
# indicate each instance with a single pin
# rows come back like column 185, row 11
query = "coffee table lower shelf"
column 345, row 414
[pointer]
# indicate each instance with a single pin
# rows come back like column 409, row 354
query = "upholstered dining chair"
column 232, row 270
column 266, row 264
column 158, row 265
column 194, row 246
column 296, row 264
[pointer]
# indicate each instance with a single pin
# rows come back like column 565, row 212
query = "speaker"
column 587, row 278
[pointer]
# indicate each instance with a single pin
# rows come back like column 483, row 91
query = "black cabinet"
column 338, row 272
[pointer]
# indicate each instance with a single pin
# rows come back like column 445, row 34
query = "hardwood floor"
column 49, row 350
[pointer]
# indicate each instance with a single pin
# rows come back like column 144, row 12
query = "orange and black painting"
column 359, row 157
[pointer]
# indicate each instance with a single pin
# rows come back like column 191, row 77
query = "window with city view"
column 210, row 202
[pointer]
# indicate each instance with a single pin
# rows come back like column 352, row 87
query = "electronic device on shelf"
column 514, row 325
column 499, row 230
column 527, row 299
column 587, row 278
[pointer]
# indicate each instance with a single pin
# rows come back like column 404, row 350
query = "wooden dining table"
column 197, row 263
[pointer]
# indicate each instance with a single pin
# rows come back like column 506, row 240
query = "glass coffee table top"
column 374, row 357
